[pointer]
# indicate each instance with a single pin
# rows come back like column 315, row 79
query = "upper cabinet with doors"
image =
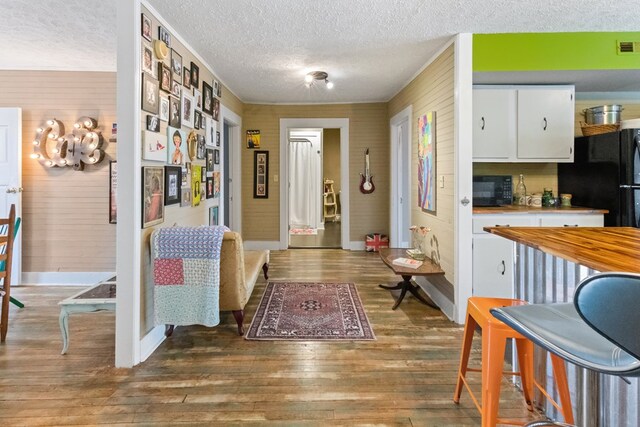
column 523, row 123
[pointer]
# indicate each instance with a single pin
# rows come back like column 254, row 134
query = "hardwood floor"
column 211, row 376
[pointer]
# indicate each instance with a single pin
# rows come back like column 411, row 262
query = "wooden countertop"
column 515, row 209
column 600, row 248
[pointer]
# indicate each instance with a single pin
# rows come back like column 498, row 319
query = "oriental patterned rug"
column 310, row 311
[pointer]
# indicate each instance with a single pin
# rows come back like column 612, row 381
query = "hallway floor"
column 328, row 238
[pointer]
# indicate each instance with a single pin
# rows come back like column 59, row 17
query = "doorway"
column 231, row 140
column 314, row 188
column 400, row 173
column 286, row 125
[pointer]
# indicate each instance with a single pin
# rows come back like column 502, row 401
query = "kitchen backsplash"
column 537, row 176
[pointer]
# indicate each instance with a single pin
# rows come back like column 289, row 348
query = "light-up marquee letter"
column 52, row 147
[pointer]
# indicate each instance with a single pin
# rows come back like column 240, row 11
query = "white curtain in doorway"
column 301, row 203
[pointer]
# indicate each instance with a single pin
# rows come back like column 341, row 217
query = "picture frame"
column 216, row 185
column 150, row 94
column 216, row 85
column 219, row 93
column 164, row 35
column 172, row 185
column 197, row 96
column 216, row 157
column 186, row 77
column 176, row 65
column 197, row 119
column 260, row 181
column 253, row 138
column 209, row 160
column 200, row 150
column 207, row 98
column 147, row 59
column 187, row 110
column 203, row 124
column 213, row 215
column 176, row 90
column 152, row 195
column 203, row 174
column 427, row 162
column 164, row 109
column 186, row 174
column 210, row 130
column 196, row 180
column 195, row 75
column 217, row 139
column 209, row 194
column 153, row 123
column 145, row 27
column 164, row 77
column 154, row 146
column 176, row 146
column 174, row 112
column 185, row 198
column 113, row 191
column 216, row 109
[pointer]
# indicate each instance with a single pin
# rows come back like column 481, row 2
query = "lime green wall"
column 552, row 51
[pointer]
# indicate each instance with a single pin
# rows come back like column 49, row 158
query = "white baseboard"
column 151, row 342
column 436, row 296
column 357, row 245
column 260, row 245
column 65, row 278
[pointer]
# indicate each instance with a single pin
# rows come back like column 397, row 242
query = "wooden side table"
column 428, row 268
column 97, row 298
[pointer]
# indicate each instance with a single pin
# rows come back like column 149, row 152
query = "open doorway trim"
column 285, row 125
column 235, row 137
column 396, row 171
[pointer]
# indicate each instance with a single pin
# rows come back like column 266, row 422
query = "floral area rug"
column 310, row 311
column 304, row 231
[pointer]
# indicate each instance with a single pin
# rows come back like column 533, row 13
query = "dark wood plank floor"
column 210, row 376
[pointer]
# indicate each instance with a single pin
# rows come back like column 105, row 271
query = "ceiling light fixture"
column 314, row 76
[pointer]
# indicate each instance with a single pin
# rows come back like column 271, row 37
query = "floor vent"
column 628, row 47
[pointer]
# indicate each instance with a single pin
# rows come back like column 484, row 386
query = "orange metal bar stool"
column 494, row 339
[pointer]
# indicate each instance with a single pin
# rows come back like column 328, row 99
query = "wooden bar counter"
column 550, row 263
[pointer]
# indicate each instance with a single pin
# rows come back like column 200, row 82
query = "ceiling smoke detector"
column 315, row 76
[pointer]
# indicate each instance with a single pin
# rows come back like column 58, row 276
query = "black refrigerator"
column 605, row 174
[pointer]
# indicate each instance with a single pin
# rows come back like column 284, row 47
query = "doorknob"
column 14, row 190
column 464, row 201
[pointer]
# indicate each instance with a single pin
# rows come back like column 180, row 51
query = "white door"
column 400, row 236
column 11, row 176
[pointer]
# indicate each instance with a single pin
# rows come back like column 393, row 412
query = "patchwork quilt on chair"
column 186, row 275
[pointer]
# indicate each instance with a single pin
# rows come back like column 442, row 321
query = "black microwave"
column 492, row 190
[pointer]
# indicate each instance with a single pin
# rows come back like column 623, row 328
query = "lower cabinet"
column 494, row 257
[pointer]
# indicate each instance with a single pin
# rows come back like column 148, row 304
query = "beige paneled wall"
column 331, row 157
column 537, row 176
column 368, row 127
column 631, row 108
column 65, row 212
column 433, row 90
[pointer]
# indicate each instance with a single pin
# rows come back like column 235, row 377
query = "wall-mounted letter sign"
column 52, row 147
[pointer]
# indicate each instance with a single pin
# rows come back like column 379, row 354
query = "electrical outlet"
column 275, row 178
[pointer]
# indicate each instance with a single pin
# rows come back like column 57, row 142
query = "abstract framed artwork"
column 152, row 195
column 427, row 162
column 260, row 174
column 172, row 184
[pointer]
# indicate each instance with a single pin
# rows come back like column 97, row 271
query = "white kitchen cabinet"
column 494, row 124
column 494, row 256
column 523, row 123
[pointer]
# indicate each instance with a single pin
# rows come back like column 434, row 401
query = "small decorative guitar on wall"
column 366, row 179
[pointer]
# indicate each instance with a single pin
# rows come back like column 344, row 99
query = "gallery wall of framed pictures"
column 179, row 113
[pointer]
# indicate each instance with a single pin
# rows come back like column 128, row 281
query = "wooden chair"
column 6, row 251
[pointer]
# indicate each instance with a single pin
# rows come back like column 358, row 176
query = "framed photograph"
column 200, row 151
column 187, row 109
column 164, row 76
column 197, row 97
column 207, row 98
column 164, row 109
column 196, row 179
column 216, row 86
column 153, row 123
column 203, row 174
column 213, row 215
column 176, row 90
column 154, row 146
column 203, row 190
column 217, row 139
column 209, row 187
column 174, row 112
column 216, row 185
column 260, row 174
column 216, row 157
column 197, row 119
column 210, row 130
column 186, row 77
column 164, row 35
column 195, row 75
column 113, row 191
column 146, row 27
column 427, row 162
column 219, row 93
column 253, row 139
column 147, row 59
column 150, row 94
column 209, row 162
column 176, row 65
column 185, row 199
column 172, row 185
column 177, row 146
column 186, row 174
column 152, row 195
column 203, row 124
column 216, row 109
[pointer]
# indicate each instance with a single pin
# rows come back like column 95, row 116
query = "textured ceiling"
column 262, row 49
